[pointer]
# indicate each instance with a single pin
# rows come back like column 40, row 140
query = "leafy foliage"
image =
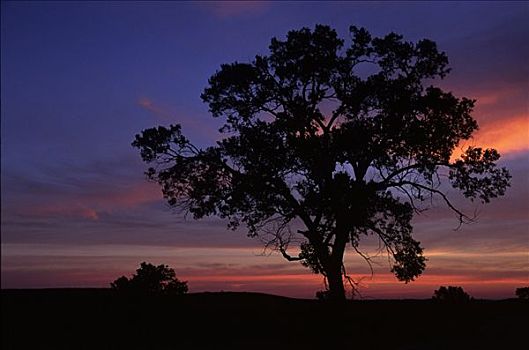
column 344, row 140
column 322, row 295
column 451, row 295
column 522, row 293
column 151, row 279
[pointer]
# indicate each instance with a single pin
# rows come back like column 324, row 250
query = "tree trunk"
column 335, row 282
column 334, row 266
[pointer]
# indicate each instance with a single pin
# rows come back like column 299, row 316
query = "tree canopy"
column 451, row 294
column 522, row 293
column 151, row 279
column 337, row 140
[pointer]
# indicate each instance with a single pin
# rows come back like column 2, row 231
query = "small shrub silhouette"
column 522, row 293
column 322, row 295
column 151, row 279
column 451, row 294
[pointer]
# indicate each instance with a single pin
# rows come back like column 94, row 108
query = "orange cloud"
column 507, row 135
column 502, row 115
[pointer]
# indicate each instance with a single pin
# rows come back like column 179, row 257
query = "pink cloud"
column 157, row 111
column 193, row 123
column 132, row 196
column 71, row 210
column 92, row 204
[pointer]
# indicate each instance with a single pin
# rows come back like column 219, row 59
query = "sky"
column 79, row 80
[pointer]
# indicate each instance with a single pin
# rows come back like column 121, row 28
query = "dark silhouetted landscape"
column 102, row 319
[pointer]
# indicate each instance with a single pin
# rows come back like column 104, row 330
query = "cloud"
column 213, row 268
column 295, row 281
column 161, row 113
column 233, row 9
column 83, row 191
column 190, row 122
column 508, row 135
column 92, row 205
column 504, row 128
column 491, row 65
column 64, row 211
column 501, row 111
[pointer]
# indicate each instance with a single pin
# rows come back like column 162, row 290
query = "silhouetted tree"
column 522, row 293
column 451, row 295
column 151, row 279
column 337, row 142
column 121, row 284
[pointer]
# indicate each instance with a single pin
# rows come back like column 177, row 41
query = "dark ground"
column 99, row 319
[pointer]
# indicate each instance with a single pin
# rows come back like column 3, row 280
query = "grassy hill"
column 99, row 319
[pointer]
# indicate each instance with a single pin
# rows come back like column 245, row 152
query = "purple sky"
column 79, row 80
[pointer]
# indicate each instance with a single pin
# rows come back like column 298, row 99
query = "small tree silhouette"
column 451, row 295
column 322, row 295
column 522, row 293
column 151, row 279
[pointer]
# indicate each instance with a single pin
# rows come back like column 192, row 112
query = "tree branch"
column 463, row 218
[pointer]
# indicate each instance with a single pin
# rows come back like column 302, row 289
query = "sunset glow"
column 508, row 135
column 79, row 82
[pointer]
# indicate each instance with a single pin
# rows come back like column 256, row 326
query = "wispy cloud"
column 209, row 269
column 231, row 9
column 84, row 191
column 92, row 205
column 76, row 210
column 160, row 113
column 197, row 125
